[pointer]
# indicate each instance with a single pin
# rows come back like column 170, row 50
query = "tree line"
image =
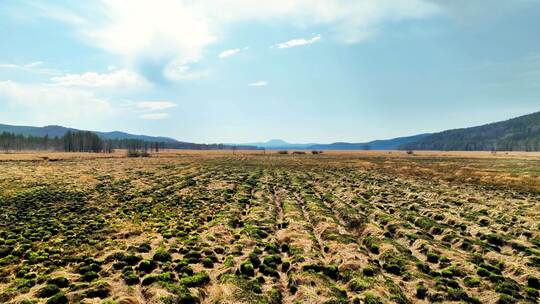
column 74, row 141
column 17, row 142
column 86, row 141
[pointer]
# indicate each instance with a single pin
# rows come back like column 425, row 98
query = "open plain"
column 213, row 227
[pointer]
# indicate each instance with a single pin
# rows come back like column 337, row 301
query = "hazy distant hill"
column 278, row 144
column 387, row 144
column 517, row 134
column 59, row 131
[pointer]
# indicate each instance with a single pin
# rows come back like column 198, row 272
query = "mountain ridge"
column 57, row 130
column 516, row 134
column 520, row 133
column 380, row 144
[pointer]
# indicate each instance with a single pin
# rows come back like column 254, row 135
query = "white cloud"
column 43, row 104
column 260, row 83
column 228, row 53
column 298, row 42
column 155, row 116
column 34, row 64
column 33, row 67
column 231, row 52
column 179, row 31
column 115, row 79
column 155, row 105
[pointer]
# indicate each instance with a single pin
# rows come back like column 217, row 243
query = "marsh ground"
column 212, row 227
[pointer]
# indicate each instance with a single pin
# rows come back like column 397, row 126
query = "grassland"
column 212, row 227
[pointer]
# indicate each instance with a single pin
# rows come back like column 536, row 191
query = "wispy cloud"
column 170, row 31
column 154, row 110
column 297, row 42
column 116, row 79
column 231, row 52
column 32, row 67
column 228, row 53
column 155, row 116
column 155, row 105
column 260, row 83
column 43, row 103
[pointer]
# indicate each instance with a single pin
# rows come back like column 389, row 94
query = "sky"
column 240, row 71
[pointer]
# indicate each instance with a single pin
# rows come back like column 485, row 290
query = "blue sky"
column 245, row 71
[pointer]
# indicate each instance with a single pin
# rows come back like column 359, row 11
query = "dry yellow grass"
column 346, row 224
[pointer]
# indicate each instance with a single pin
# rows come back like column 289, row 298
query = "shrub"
column 131, row 259
column 269, row 271
column 193, row 256
column 162, row 255
column 508, row 287
column 421, row 291
column 136, row 153
column 149, row 280
column 247, row 269
column 275, row 296
column 423, row 267
column 60, row 282
column 483, row 272
column 166, row 277
column 330, row 271
column 147, row 266
column 208, row 263
column 495, row 239
column 370, row 298
column 358, row 285
column 368, row 271
column 471, row 282
column 372, row 245
column 506, row 299
column 531, row 292
column 457, row 294
column 90, row 276
column 432, row 257
column 272, row 261
column 58, row 298
column 130, row 278
column 47, row 291
column 533, row 282
column 101, row 290
column 197, row 280
column 183, row 268
column 285, row 266
column 393, row 263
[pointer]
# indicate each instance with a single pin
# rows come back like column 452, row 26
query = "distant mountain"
column 517, row 134
column 59, row 131
column 388, row 144
column 278, row 144
column 53, row 131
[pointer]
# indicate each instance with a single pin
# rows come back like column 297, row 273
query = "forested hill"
column 33, row 138
column 59, row 131
column 517, row 134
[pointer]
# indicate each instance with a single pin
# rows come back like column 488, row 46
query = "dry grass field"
column 212, row 227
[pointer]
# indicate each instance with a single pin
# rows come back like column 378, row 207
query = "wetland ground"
column 212, row 227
